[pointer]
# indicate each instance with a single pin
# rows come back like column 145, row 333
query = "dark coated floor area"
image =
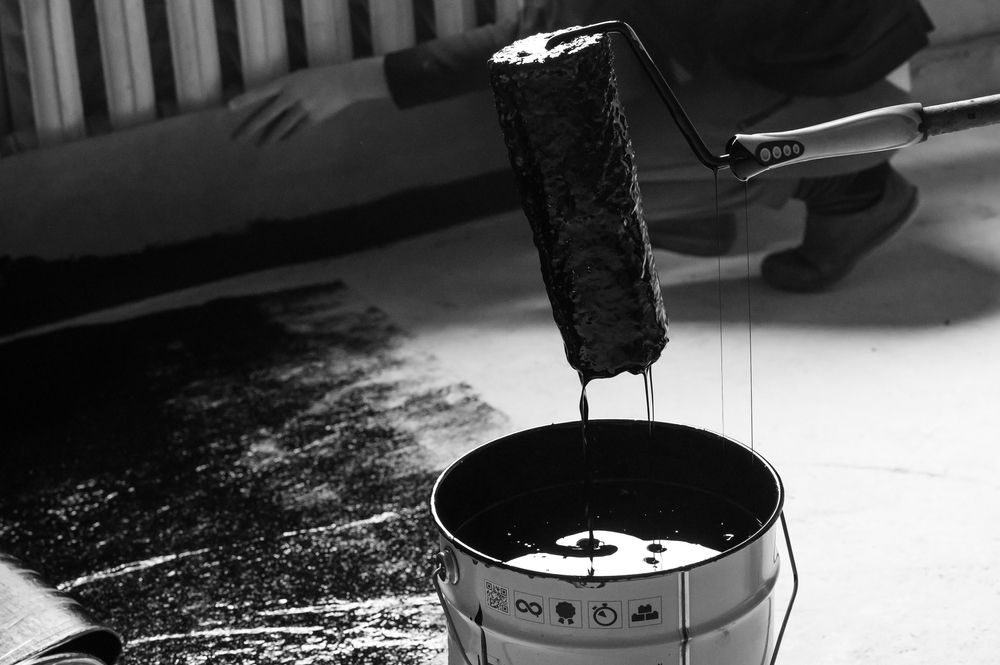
column 234, row 482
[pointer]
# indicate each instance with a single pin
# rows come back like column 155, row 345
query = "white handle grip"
column 886, row 128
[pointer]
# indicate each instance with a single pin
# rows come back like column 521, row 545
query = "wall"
column 962, row 20
column 964, row 58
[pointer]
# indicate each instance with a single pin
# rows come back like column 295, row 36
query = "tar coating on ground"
column 241, row 482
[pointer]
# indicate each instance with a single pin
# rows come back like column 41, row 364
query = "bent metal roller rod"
column 887, row 128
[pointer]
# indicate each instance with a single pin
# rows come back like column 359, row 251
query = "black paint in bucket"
column 669, row 488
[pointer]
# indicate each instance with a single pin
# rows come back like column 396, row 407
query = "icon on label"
column 497, row 597
column 645, row 611
column 565, row 612
column 529, row 607
column 605, row 613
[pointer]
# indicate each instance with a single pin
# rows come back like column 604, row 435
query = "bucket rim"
column 579, row 580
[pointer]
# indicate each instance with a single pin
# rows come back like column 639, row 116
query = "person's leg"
column 675, row 185
column 847, row 216
column 853, row 203
column 687, row 208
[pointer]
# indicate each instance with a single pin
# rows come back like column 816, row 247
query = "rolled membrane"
column 568, row 143
column 41, row 626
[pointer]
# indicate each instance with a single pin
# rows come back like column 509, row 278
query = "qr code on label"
column 496, row 597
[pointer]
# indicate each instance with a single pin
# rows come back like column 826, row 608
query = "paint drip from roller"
column 567, row 139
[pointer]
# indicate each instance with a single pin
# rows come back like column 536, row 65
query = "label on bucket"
column 600, row 614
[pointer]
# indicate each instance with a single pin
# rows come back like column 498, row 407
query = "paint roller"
column 567, row 139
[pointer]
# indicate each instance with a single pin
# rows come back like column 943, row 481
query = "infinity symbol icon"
column 524, row 607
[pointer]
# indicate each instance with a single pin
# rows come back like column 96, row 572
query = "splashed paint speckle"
column 241, row 482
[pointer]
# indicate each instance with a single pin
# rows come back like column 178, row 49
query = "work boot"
column 846, row 218
column 696, row 236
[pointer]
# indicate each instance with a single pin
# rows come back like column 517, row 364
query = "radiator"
column 45, row 41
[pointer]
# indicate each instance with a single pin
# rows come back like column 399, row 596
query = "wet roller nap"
column 568, row 143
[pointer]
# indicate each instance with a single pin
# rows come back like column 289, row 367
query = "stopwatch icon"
column 604, row 615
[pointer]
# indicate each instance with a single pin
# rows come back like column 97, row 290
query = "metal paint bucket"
column 719, row 609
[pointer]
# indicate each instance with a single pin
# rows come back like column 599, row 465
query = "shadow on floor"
column 905, row 284
column 34, row 292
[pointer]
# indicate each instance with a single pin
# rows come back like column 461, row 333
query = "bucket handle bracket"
column 440, row 573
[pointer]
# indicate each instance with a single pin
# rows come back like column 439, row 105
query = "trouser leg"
column 461, row 138
column 675, row 185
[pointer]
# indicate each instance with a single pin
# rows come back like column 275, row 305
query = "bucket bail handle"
column 795, row 589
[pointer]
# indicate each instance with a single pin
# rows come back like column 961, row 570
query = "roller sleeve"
column 567, row 139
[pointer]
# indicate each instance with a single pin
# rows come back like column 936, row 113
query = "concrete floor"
column 875, row 401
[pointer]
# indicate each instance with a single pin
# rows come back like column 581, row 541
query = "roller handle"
column 967, row 114
column 888, row 128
